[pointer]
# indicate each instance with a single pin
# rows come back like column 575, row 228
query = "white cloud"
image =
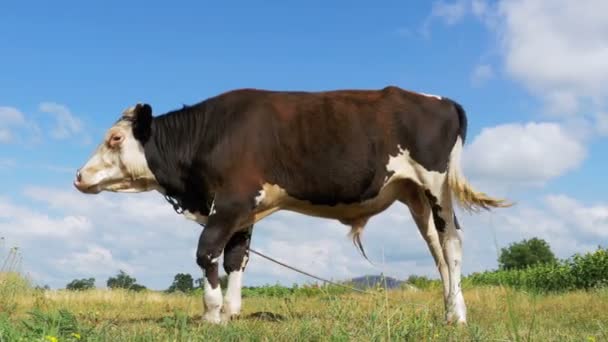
column 10, row 119
column 11, row 116
column 23, row 222
column 481, row 74
column 449, row 12
column 6, row 136
column 592, row 219
column 557, row 46
column 7, row 163
column 557, row 50
column 525, row 154
column 601, row 119
column 94, row 260
column 479, row 7
column 66, row 124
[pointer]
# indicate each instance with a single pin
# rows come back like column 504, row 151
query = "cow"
column 237, row 157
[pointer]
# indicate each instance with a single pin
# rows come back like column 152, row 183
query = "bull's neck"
column 173, row 152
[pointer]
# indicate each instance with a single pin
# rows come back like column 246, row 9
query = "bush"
column 578, row 272
column 422, row 282
column 81, row 284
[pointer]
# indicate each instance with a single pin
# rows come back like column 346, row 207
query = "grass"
column 495, row 314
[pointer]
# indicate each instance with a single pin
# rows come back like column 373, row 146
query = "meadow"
column 514, row 305
column 495, row 314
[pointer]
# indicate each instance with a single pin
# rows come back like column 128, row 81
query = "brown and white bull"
column 235, row 158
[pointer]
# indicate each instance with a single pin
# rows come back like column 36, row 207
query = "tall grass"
column 12, row 282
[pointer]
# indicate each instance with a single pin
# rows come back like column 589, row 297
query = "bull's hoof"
column 212, row 317
column 454, row 319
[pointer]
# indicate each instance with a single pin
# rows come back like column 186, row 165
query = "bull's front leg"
column 222, row 223
column 236, row 256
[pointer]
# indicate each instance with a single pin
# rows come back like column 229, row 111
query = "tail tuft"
column 468, row 198
column 355, row 234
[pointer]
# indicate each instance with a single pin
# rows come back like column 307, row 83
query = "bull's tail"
column 466, row 196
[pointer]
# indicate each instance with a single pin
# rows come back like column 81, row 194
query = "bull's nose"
column 78, row 176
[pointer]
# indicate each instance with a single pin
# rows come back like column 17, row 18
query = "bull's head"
column 119, row 162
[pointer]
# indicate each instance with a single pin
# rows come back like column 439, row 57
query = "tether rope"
column 304, row 272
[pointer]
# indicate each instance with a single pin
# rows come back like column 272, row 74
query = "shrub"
column 578, row 272
column 81, row 284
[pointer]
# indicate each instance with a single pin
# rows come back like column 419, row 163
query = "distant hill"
column 368, row 281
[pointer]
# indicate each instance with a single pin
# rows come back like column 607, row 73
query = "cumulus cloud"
column 93, row 260
column 26, row 223
column 481, row 74
column 557, row 48
column 526, row 154
column 593, row 220
column 7, row 163
column 66, row 124
column 449, row 12
column 10, row 119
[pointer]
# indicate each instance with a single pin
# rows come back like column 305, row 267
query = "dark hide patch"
column 236, row 250
column 142, row 122
column 436, row 209
column 456, row 222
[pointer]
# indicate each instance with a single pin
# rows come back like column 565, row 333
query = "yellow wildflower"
column 76, row 336
column 51, row 338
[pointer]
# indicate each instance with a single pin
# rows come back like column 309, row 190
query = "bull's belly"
column 275, row 198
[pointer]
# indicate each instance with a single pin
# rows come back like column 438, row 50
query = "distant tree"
column 123, row 281
column 526, row 253
column 182, row 282
column 81, row 284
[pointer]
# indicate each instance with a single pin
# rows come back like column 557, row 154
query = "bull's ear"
column 142, row 122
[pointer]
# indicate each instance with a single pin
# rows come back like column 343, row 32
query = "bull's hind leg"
column 415, row 199
column 236, row 256
column 440, row 200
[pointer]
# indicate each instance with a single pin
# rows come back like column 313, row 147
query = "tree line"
column 182, row 282
column 519, row 255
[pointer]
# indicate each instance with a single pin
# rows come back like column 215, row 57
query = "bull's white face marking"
column 232, row 301
column 212, row 300
column 431, row 95
column 118, row 164
column 195, row 216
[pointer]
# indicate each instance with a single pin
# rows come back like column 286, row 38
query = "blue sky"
column 530, row 75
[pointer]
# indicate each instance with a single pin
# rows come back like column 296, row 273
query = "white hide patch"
column 232, row 301
column 195, row 216
column 212, row 210
column 404, row 167
column 431, row 95
column 260, row 197
column 213, row 302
